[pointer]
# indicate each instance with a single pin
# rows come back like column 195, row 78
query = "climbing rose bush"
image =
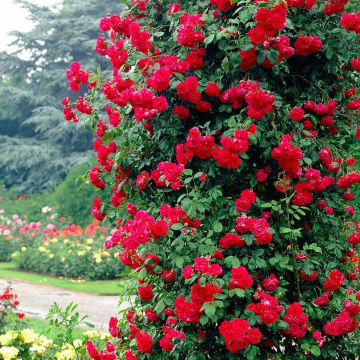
column 226, row 139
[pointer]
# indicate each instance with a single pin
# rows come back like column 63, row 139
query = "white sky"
column 13, row 17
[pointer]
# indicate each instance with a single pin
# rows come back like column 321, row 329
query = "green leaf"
column 245, row 16
column 283, row 325
column 284, row 230
column 177, row 226
column 225, row 65
column 315, row 350
column 209, row 39
column 266, row 205
column 217, row 227
column 261, row 263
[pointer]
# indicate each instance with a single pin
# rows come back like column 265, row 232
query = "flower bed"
column 57, row 249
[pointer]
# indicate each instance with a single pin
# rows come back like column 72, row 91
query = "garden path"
column 35, row 301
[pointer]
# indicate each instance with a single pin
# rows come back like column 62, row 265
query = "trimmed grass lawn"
column 40, row 325
column 101, row 287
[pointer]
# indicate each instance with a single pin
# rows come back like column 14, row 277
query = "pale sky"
column 13, row 17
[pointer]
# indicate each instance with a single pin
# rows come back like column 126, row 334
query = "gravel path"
column 35, row 301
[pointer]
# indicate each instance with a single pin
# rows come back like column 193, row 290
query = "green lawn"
column 40, row 325
column 101, row 287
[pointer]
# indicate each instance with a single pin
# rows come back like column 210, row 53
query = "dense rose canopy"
column 228, row 154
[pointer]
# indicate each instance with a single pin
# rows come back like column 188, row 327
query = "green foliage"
column 71, row 201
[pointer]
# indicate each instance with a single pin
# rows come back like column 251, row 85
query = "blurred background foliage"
column 33, row 83
column 74, row 205
column 39, row 149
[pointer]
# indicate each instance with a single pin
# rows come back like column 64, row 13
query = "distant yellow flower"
column 14, row 255
column 23, row 249
column 89, row 241
column 51, row 256
column 91, row 333
column 81, row 253
column 42, row 249
column 106, row 253
column 63, row 259
column 104, row 335
column 70, row 251
column 98, row 260
column 66, row 241
column 27, row 336
column 38, row 349
column 116, row 255
column 9, row 353
column 7, row 337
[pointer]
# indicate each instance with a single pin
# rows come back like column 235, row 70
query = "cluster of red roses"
column 9, row 302
column 231, row 240
column 95, row 178
column 270, row 21
column 354, row 104
column 354, row 238
column 288, row 157
column 306, row 4
column 344, row 323
column 334, row 6
column 202, row 266
column 170, row 334
column 76, row 76
column 142, row 229
column 281, row 43
column 244, row 202
column 168, row 173
column 297, row 321
column 334, row 280
column 109, row 354
column 196, row 145
column 306, row 45
column 258, row 227
column 83, row 107
column 228, row 156
column 188, row 36
column 311, row 277
column 116, row 53
column 222, row 5
column 268, row 308
column 325, row 111
column 145, row 105
column 204, row 147
column 314, row 183
column 238, row 334
column 240, row 278
column 347, row 181
column 190, row 311
column 176, row 215
column 68, row 111
column 129, row 28
column 322, row 205
column 351, row 22
column 356, row 64
column 188, row 90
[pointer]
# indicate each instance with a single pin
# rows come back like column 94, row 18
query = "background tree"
column 33, row 83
